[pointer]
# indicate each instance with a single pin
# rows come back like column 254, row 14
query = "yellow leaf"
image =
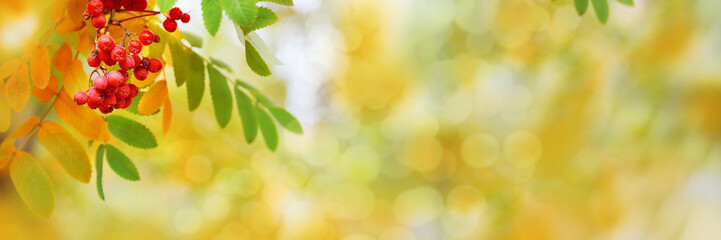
column 24, row 128
column 84, row 120
column 75, row 79
column 147, row 82
column 63, row 57
column 6, row 152
column 8, row 68
column 46, row 94
column 75, row 9
column 84, row 42
column 40, row 66
column 153, row 98
column 33, row 185
column 67, row 26
column 57, row 11
column 66, row 149
column 5, row 118
column 167, row 115
column 17, row 89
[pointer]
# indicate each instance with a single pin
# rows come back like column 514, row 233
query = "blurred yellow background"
column 425, row 119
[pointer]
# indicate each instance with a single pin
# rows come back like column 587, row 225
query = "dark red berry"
column 170, row 25
column 138, row 5
column 106, row 43
column 98, row 21
column 133, row 90
column 128, row 101
column 94, row 59
column 105, row 109
column 155, row 65
column 119, row 103
column 80, row 97
column 185, row 18
column 175, row 13
column 124, row 3
column 140, row 73
column 137, row 60
column 92, row 105
column 100, row 83
column 95, row 7
column 127, row 63
column 146, row 37
column 86, row 15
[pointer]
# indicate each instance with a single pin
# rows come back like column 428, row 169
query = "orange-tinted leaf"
column 6, row 152
column 63, row 57
column 57, row 11
column 46, row 94
column 84, row 120
column 8, row 68
column 40, row 66
column 66, row 149
column 32, row 184
column 75, row 79
column 5, row 118
column 167, row 115
column 84, row 42
column 24, row 128
column 153, row 98
column 67, row 26
column 17, row 89
column 75, row 9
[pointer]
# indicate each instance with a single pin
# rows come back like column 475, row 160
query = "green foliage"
column 581, row 6
column 33, row 185
column 242, row 12
column 220, row 93
column 133, row 108
column 267, row 128
column 121, row 164
column 196, row 80
column 626, row 2
column 246, row 111
column 131, row 132
column 180, row 62
column 266, row 17
column 221, row 64
column 286, row 120
column 281, row 2
column 212, row 14
column 166, row 5
column 601, row 9
column 255, row 62
column 193, row 40
column 99, row 169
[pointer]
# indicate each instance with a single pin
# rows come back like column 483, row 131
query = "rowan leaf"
column 221, row 64
column 67, row 25
column 8, row 68
column 99, row 170
column 626, row 2
column 262, row 49
column 84, row 120
column 33, row 185
column 24, row 128
column 196, row 81
column 286, row 120
column 75, row 9
column 84, row 42
column 5, row 118
column 267, row 128
column 601, row 9
column 212, row 14
column 121, row 164
column 255, row 62
column 581, row 6
column 167, row 115
column 281, row 2
column 7, row 148
column 47, row 94
column 75, row 79
column 222, row 98
column 181, row 65
column 153, row 99
column 63, row 57
column 266, row 17
column 40, row 66
column 246, row 111
column 131, row 132
column 166, row 5
column 17, row 89
column 242, row 12
column 194, row 40
column 66, row 149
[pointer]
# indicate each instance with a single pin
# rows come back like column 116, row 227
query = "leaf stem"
column 37, row 126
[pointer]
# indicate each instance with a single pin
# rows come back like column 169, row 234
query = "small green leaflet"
column 212, row 14
column 255, row 62
column 286, row 120
column 281, row 2
column 133, row 108
column 221, row 64
column 581, row 6
column 32, row 184
column 196, row 80
column 193, row 40
column 121, row 164
column 180, row 62
column 165, row 5
column 221, row 96
column 267, row 128
column 99, row 170
column 246, row 111
column 626, row 2
column 266, row 17
column 601, row 9
column 131, row 132
column 242, row 12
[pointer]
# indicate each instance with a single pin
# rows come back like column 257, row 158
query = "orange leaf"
column 84, row 42
column 33, row 185
column 24, row 128
column 57, row 11
column 84, row 120
column 63, row 57
column 6, row 152
column 66, row 149
column 153, row 98
column 167, row 115
column 75, row 9
column 75, row 78
column 17, row 89
column 8, row 68
column 46, row 94
column 67, row 26
column 40, row 66
column 5, row 118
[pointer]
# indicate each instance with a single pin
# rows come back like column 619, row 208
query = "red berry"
column 109, row 100
column 80, row 97
column 118, row 54
column 95, row 7
column 119, row 103
column 133, row 90
column 170, row 25
column 140, row 73
column 135, row 46
column 127, row 63
column 94, row 59
column 98, row 21
column 106, row 43
column 146, row 37
column 95, row 96
column 157, row 39
column 155, row 65
column 100, row 83
column 185, row 18
column 124, row 3
column 105, row 109
column 175, row 13
column 115, row 78
column 108, row 4
column 86, row 15
column 123, row 91
column 137, row 60
column 93, row 105
column 128, row 101
column 144, row 63
column 111, row 90
column 137, row 5
column 126, row 76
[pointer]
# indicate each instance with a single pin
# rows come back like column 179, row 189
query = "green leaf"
column 131, row 132
column 166, row 5
column 248, row 86
column 246, row 111
column 157, row 49
column 196, row 81
column 133, row 108
column 255, row 62
column 281, row 2
column 32, row 184
column 581, row 6
column 121, row 164
column 220, row 93
column 99, row 170
column 242, row 12
column 286, row 120
column 266, row 17
column 601, row 8
column 221, row 64
column 181, row 65
column 212, row 14
column 626, row 2
column 267, row 128
column 193, row 39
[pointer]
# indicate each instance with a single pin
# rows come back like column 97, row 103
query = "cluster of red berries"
column 110, row 53
column 96, row 9
column 108, row 92
column 175, row 14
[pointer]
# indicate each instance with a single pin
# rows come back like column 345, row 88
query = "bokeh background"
column 425, row 119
